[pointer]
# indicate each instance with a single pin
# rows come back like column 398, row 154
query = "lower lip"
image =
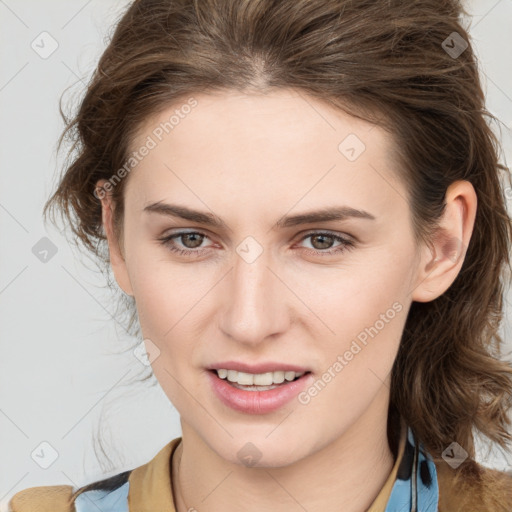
column 257, row 402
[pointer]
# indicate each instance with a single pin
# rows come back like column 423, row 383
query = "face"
column 266, row 283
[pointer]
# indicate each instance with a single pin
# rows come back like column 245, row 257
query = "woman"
column 302, row 201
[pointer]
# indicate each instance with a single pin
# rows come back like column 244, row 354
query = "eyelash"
column 346, row 243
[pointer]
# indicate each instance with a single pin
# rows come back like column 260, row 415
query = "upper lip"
column 265, row 367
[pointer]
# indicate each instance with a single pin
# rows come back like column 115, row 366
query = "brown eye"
column 321, row 241
column 191, row 240
column 185, row 243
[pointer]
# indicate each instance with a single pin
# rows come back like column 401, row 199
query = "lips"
column 257, row 401
column 264, row 367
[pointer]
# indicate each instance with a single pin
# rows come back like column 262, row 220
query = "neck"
column 346, row 474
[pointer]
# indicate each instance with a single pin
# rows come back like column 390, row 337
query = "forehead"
column 282, row 116
column 283, row 143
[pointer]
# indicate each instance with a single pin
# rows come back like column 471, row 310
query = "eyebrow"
column 210, row 219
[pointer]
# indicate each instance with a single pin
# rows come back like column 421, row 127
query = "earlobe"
column 117, row 260
column 441, row 261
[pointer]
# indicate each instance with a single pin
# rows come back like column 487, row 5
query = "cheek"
column 360, row 312
column 367, row 336
column 340, row 302
column 172, row 304
column 165, row 292
column 357, row 363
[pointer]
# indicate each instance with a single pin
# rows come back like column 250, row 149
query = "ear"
column 441, row 261
column 117, row 260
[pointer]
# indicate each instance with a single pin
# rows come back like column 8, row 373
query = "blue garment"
column 103, row 500
column 415, row 488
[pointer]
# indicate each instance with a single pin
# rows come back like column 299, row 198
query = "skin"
column 251, row 159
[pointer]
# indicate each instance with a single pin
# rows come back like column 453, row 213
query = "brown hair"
column 385, row 62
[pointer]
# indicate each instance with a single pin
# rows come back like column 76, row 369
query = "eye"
column 323, row 240
column 192, row 240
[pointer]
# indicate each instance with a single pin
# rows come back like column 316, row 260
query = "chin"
column 260, row 451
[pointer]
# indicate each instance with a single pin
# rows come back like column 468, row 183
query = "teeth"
column 259, row 379
column 222, row 373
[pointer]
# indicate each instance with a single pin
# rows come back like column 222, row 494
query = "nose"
column 257, row 302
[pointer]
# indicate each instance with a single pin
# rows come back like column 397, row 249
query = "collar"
column 412, row 484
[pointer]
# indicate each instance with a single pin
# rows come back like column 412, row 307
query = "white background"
column 59, row 365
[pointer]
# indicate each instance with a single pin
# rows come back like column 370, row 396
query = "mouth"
column 258, row 393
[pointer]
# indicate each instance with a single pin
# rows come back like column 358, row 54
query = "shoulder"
column 112, row 492
column 52, row 498
column 107, row 495
column 473, row 487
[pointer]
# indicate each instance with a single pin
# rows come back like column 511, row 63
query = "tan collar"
column 151, row 486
